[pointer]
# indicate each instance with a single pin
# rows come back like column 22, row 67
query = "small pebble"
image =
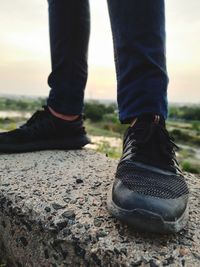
column 57, row 206
column 154, row 263
column 79, row 181
column 61, row 224
column 183, row 251
column 47, row 209
column 69, row 214
column 97, row 222
column 101, row 233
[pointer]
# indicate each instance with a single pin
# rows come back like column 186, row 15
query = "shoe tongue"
column 150, row 118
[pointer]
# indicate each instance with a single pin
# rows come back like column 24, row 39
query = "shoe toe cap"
column 168, row 209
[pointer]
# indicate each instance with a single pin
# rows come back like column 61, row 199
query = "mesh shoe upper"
column 149, row 143
column 150, row 183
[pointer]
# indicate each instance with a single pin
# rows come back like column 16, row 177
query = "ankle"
column 62, row 116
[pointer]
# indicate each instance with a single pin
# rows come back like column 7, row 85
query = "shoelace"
column 38, row 114
column 42, row 120
column 142, row 134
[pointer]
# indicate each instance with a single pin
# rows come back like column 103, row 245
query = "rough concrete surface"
column 53, row 213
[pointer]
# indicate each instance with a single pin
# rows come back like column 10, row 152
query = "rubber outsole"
column 146, row 221
column 60, row 144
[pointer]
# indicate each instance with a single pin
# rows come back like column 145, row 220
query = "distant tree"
column 95, row 110
column 185, row 112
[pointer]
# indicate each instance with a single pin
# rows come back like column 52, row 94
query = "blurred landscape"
column 106, row 131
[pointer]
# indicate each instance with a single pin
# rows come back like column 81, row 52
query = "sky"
column 25, row 56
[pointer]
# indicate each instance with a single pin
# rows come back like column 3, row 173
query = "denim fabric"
column 69, row 23
column 138, row 28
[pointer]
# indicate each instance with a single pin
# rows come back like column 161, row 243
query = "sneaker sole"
column 146, row 221
column 60, row 144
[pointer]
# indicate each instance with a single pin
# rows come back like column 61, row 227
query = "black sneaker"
column 44, row 131
column 149, row 191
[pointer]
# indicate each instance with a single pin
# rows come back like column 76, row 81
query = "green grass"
column 189, row 167
column 185, row 133
column 97, row 129
column 112, row 152
column 8, row 124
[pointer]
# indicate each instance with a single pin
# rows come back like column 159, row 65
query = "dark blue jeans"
column 138, row 28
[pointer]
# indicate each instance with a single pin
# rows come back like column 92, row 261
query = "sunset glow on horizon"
column 25, row 55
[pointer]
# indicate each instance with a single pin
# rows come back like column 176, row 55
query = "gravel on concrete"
column 53, row 213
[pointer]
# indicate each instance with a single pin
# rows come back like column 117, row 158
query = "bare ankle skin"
column 62, row 116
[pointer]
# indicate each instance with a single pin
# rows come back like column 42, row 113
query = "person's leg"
column 60, row 124
column 69, row 23
column 138, row 29
column 149, row 191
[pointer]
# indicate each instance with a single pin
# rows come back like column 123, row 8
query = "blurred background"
column 25, row 66
column 25, row 59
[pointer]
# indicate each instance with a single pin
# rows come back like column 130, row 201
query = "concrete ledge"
column 53, row 213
